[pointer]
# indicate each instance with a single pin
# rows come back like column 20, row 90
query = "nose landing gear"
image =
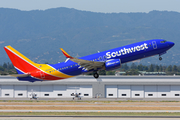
column 160, row 58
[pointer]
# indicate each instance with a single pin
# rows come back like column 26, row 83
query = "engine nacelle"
column 113, row 64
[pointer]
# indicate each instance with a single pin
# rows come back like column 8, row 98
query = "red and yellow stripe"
column 65, row 53
column 27, row 66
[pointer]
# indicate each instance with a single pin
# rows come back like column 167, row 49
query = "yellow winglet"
column 65, row 53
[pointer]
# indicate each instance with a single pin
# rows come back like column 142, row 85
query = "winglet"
column 66, row 54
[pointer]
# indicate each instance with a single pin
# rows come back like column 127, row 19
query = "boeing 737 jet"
column 107, row 60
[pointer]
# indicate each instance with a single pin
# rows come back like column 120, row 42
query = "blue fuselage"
column 125, row 54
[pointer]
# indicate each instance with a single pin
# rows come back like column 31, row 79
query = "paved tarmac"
column 100, row 105
column 138, row 111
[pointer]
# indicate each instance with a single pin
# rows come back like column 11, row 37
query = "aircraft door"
column 154, row 44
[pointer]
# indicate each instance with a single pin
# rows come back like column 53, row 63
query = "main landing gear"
column 96, row 75
column 160, row 58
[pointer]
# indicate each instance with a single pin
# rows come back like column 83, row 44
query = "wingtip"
column 65, row 53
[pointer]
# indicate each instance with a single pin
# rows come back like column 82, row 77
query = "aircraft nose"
column 171, row 44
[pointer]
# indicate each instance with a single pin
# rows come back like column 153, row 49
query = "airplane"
column 76, row 95
column 34, row 95
column 107, row 60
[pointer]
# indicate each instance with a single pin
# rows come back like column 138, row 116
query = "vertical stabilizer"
column 21, row 63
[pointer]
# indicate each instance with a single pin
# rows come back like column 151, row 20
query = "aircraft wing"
column 87, row 64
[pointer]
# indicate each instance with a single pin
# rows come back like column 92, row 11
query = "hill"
column 39, row 34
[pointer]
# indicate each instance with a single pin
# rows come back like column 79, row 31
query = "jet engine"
column 113, row 64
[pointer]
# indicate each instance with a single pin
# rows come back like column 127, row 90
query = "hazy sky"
column 106, row 6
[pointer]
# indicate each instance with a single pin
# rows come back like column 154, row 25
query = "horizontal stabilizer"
column 20, row 75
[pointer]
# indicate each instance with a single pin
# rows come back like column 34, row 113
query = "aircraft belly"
column 142, row 55
column 73, row 72
column 132, row 58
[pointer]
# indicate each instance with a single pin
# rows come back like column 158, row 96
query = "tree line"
column 7, row 68
column 169, row 70
column 133, row 69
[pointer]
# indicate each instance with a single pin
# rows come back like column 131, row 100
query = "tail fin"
column 22, row 64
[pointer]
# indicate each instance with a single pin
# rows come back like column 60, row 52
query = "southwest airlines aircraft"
column 107, row 60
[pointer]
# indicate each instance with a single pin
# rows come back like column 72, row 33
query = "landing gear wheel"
column 160, row 58
column 96, row 75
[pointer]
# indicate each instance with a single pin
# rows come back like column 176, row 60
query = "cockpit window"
column 163, row 41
